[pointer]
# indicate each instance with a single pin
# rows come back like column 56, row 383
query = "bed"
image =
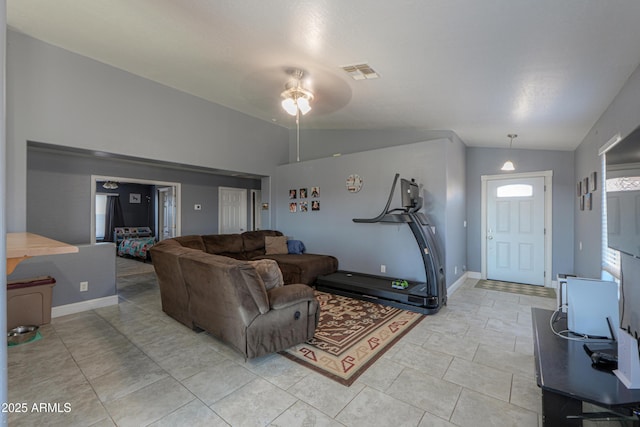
column 134, row 241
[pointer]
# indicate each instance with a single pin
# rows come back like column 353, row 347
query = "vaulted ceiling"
column 544, row 69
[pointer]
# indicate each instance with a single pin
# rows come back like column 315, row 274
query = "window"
column 515, row 190
column 101, row 212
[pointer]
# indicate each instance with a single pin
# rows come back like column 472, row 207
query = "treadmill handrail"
column 386, row 208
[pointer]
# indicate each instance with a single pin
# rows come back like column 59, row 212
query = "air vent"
column 360, row 72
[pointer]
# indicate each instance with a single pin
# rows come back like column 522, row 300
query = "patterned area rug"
column 516, row 288
column 350, row 336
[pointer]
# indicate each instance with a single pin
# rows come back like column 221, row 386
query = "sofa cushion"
column 295, row 246
column 229, row 245
column 253, row 242
column 289, row 295
column 269, row 272
column 275, row 245
column 192, row 242
column 304, row 268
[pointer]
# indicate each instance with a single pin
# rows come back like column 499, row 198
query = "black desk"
column 566, row 377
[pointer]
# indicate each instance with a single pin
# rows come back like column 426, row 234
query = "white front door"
column 232, row 210
column 515, row 230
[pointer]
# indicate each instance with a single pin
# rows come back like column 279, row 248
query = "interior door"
column 515, row 230
column 232, row 210
column 166, row 213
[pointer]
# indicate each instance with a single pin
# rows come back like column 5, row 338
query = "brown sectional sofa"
column 213, row 282
column 250, row 245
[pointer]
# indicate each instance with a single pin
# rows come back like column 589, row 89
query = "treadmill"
column 423, row 297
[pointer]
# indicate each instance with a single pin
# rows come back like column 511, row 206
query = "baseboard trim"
column 474, row 275
column 454, row 287
column 77, row 307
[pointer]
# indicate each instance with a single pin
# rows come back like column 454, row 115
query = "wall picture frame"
column 593, row 181
column 134, row 198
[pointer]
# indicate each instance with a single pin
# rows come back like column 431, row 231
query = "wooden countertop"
column 21, row 246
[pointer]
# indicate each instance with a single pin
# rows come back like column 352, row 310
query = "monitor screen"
column 623, row 195
column 410, row 193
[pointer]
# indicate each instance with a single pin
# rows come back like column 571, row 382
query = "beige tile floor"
column 131, row 365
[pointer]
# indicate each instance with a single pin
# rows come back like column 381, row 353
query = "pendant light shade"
column 508, row 165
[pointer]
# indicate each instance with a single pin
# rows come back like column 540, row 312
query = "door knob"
column 489, row 237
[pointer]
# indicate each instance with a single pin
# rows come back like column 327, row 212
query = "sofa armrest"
column 285, row 296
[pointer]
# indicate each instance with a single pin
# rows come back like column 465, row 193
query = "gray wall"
column 64, row 213
column 456, row 213
column 93, row 263
column 62, row 98
column 488, row 161
column 364, row 247
column 622, row 116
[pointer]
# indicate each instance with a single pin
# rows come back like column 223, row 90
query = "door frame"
column 548, row 216
column 176, row 185
column 255, row 222
column 243, row 207
column 160, row 190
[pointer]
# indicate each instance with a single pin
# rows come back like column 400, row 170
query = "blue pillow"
column 295, row 246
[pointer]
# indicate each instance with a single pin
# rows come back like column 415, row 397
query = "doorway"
column 256, row 210
column 173, row 214
column 232, row 210
column 166, row 212
column 516, row 228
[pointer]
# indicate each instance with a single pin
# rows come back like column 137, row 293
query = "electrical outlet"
column 84, row 286
column 455, row 270
column 383, row 268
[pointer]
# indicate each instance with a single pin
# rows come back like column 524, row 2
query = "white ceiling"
column 544, row 69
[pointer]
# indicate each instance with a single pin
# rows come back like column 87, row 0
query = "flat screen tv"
column 410, row 194
column 623, row 223
column 623, row 195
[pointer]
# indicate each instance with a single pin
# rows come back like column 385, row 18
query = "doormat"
column 516, row 288
column 351, row 335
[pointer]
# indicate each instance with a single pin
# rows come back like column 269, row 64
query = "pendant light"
column 508, row 165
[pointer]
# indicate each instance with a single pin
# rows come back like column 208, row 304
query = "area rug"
column 516, row 288
column 351, row 335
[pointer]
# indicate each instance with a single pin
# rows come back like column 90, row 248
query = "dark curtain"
column 113, row 218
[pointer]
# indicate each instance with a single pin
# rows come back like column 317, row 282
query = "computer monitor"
column 410, row 194
column 589, row 303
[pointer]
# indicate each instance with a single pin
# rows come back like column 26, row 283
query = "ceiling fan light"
column 303, row 105
column 508, row 166
column 289, row 106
